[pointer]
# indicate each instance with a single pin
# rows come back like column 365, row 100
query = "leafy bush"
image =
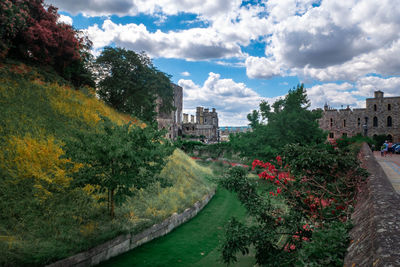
column 317, row 186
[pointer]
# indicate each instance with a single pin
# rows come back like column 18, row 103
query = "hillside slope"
column 43, row 217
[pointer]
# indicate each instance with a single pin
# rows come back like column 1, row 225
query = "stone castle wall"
column 380, row 117
column 375, row 236
column 206, row 124
column 124, row 243
column 172, row 121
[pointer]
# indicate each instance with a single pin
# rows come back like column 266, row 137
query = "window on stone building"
column 374, row 107
column 389, row 121
column 358, row 122
column 331, row 135
column 389, row 107
column 344, row 123
column 375, row 122
column 331, row 122
column 344, row 134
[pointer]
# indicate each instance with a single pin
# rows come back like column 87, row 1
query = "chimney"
column 192, row 118
column 185, row 118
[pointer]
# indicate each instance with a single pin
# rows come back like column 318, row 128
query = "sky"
column 232, row 54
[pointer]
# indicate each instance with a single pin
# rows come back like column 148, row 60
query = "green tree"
column 131, row 84
column 254, row 119
column 119, row 158
column 287, row 121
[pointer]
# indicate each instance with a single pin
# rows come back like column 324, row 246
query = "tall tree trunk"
column 108, row 200
column 112, row 203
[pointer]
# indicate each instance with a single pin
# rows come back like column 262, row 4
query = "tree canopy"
column 119, row 158
column 288, row 120
column 130, row 83
column 30, row 32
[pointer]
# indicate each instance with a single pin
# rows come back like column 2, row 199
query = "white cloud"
column 334, row 40
column 191, row 44
column 337, row 40
column 65, row 19
column 232, row 100
column 185, row 73
column 208, row 8
column 257, row 67
column 335, row 95
column 367, row 85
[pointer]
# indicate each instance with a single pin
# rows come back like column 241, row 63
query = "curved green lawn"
column 195, row 243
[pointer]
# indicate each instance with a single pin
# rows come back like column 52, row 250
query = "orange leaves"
column 40, row 161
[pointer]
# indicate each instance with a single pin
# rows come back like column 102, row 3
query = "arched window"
column 358, row 122
column 389, row 121
column 374, row 107
column 389, row 107
column 375, row 123
column 344, row 123
column 331, row 122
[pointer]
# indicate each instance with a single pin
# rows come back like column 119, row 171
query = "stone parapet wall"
column 124, row 243
column 375, row 237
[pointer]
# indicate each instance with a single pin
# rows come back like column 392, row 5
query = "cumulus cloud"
column 352, row 94
column 65, row 19
column 232, row 100
column 324, row 40
column 191, row 44
column 367, row 85
column 335, row 95
column 185, row 73
column 261, row 67
column 208, row 8
column 336, row 40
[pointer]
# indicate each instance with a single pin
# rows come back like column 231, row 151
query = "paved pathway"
column 391, row 166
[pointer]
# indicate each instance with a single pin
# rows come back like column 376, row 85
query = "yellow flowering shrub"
column 41, row 161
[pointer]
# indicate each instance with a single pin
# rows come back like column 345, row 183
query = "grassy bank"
column 195, row 243
column 44, row 217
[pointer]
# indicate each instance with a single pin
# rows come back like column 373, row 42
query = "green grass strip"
column 195, row 243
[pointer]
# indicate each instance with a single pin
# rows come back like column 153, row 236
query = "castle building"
column 226, row 131
column 205, row 127
column 172, row 121
column 380, row 117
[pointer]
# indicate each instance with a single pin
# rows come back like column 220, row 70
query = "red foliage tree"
column 29, row 31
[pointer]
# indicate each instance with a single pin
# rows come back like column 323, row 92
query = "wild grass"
column 43, row 218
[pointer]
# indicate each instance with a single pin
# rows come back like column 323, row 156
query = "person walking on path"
column 390, row 148
column 385, row 147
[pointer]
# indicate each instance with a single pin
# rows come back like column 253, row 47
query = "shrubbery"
column 30, row 32
column 318, row 186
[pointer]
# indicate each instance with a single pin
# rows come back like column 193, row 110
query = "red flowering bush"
column 317, row 184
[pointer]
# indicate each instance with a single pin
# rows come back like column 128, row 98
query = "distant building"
column 172, row 121
column 204, row 128
column 380, row 117
column 225, row 131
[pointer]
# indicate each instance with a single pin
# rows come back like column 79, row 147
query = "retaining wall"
column 124, row 243
column 375, row 237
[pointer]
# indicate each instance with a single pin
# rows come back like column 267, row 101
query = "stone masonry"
column 380, row 117
column 172, row 121
column 205, row 126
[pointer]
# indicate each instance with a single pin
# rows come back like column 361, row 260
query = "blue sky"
column 231, row 54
